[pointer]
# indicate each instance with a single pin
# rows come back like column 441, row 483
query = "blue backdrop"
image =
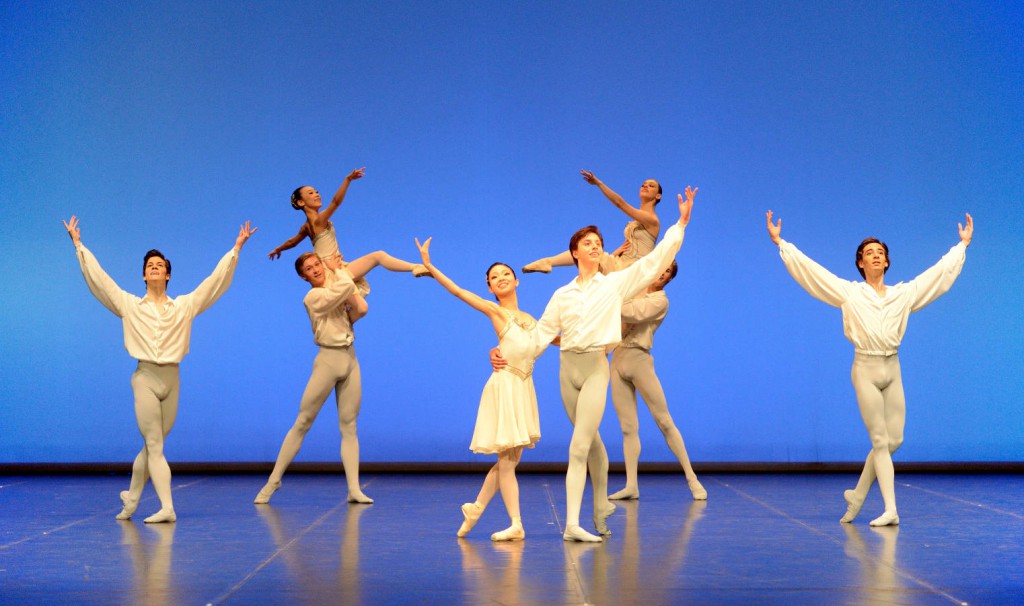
column 167, row 124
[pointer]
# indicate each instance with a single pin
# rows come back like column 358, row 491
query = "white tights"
column 879, row 387
column 335, row 368
column 156, row 389
column 633, row 370
column 583, row 378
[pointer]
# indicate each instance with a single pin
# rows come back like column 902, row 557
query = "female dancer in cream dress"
column 507, row 418
column 641, row 233
column 874, row 320
column 319, row 229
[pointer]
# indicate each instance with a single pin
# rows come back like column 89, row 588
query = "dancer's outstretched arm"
column 101, row 285
column 290, row 243
column 488, row 308
column 938, row 279
column 819, row 282
column 339, row 196
column 217, row 283
column 647, row 218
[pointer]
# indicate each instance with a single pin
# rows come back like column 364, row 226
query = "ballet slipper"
column 359, row 497
column 266, row 492
column 128, row 505
column 888, row 518
column 575, row 533
column 542, row 266
column 162, row 516
column 697, row 490
column 853, row 505
column 472, row 513
column 514, row 532
column 420, row 271
column 626, row 494
column 601, row 520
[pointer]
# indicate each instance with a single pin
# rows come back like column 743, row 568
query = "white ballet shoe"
column 888, row 518
column 161, row 517
column 266, row 492
column 575, row 533
column 542, row 266
column 420, row 271
column 514, row 532
column 697, row 490
column 853, row 505
column 626, row 494
column 360, row 498
column 472, row 513
column 128, row 506
column 601, row 520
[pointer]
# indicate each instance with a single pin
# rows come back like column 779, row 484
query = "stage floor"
column 758, row 539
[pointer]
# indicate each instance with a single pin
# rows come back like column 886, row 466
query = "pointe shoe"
column 472, row 513
column 575, row 533
column 888, row 518
column 420, row 271
column 626, row 494
column 514, row 532
column 266, row 492
column 697, row 490
column 162, row 516
column 601, row 520
column 542, row 266
column 853, row 505
column 128, row 506
column 359, row 498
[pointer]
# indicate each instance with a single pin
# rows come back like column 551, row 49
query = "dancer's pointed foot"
column 888, row 518
column 359, row 497
column 266, row 492
column 472, row 513
column 853, row 505
column 128, row 506
column 514, row 532
column 626, row 494
column 421, row 271
column 601, row 519
column 166, row 514
column 575, row 533
column 697, row 489
column 542, row 266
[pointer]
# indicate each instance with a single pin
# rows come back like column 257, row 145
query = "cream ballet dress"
column 507, row 416
column 325, row 245
column 640, row 241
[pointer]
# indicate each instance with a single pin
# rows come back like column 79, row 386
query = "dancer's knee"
column 579, row 452
column 664, row 421
column 348, row 429
column 895, row 443
column 302, row 423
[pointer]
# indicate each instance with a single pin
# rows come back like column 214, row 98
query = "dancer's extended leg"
column 319, row 386
column 362, row 266
column 650, row 389
column 509, row 485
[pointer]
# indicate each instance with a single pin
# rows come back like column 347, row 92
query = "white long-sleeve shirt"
column 874, row 323
column 156, row 332
column 589, row 316
column 326, row 308
column 644, row 314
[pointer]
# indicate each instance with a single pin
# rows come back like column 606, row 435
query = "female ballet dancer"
column 641, row 232
column 874, row 320
column 507, row 418
column 320, row 231
column 335, row 368
column 632, row 370
column 157, row 329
